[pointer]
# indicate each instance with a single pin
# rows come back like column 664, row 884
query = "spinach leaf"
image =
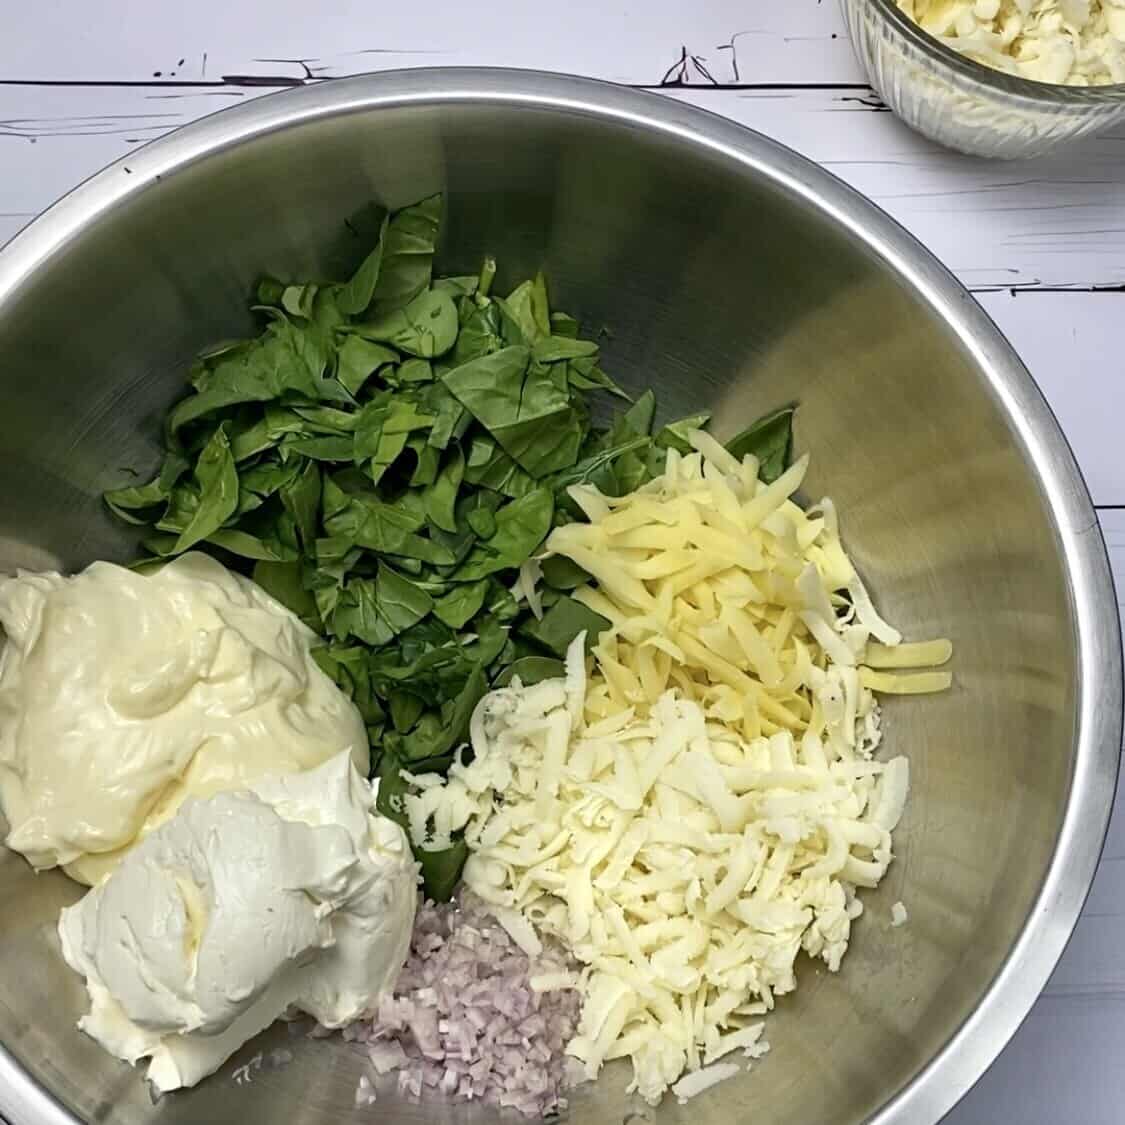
column 354, row 297
column 584, row 374
column 129, row 513
column 251, row 547
column 480, row 332
column 591, row 469
column 325, row 420
column 301, row 498
column 521, row 525
column 334, row 561
column 440, row 498
column 549, row 349
column 298, row 300
column 385, row 528
column 426, row 327
column 284, row 360
column 561, row 573
column 408, row 254
column 258, row 483
column 414, row 370
column 217, row 480
column 401, row 602
column 358, row 359
column 674, row 435
column 349, row 666
column 406, row 709
column 461, row 604
column 427, row 657
column 490, row 467
column 451, row 419
column 376, row 610
column 124, row 501
column 770, row 439
column 522, row 407
column 324, row 447
column 281, row 421
column 428, row 462
column 529, row 311
column 531, row 670
column 283, row 581
column 183, row 503
column 482, row 521
column 441, row 870
column 463, row 286
column 159, row 547
column 438, row 734
column 250, row 435
column 383, row 429
column 562, row 623
column 493, row 632
column 564, row 325
column 639, row 417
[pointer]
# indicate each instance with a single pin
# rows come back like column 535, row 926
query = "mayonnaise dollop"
column 292, row 895
column 122, row 694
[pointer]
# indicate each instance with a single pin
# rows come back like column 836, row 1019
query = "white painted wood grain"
column 1063, row 1068
column 636, row 41
column 1053, row 222
column 11, row 222
column 1071, row 343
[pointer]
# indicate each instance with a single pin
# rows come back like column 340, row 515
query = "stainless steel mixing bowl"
column 733, row 275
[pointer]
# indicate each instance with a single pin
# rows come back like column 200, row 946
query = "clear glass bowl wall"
column 963, row 104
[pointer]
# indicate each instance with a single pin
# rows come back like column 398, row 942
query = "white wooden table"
column 1042, row 244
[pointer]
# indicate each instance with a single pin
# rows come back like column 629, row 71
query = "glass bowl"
column 966, row 105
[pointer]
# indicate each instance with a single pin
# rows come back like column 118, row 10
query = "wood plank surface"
column 639, row 42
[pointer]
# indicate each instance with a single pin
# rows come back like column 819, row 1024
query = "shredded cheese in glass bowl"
column 1007, row 78
column 1074, row 42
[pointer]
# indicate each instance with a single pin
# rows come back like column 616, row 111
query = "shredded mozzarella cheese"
column 1072, row 42
column 706, row 803
column 684, row 866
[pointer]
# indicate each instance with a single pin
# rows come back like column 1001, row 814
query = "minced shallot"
column 465, row 1021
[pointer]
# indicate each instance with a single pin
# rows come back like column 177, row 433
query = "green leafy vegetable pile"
column 386, row 456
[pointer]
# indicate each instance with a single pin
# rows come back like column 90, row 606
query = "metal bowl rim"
column 945, row 1078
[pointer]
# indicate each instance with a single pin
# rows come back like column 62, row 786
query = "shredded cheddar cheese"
column 719, row 585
